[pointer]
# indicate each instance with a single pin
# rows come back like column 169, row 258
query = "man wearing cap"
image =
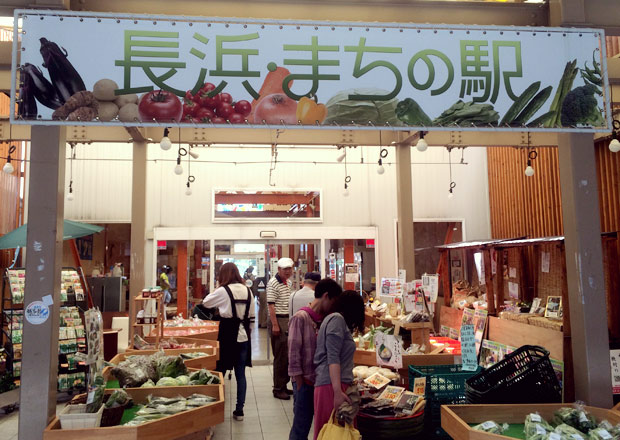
column 305, row 295
column 278, row 294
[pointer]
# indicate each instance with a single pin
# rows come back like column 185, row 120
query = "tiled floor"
column 266, row 418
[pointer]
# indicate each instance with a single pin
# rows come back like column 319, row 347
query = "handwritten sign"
column 468, row 348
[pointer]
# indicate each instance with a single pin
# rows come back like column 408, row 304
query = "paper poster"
column 402, row 275
column 392, row 393
column 430, row 284
column 558, row 368
column 614, row 356
column 493, row 261
column 489, row 353
column 468, row 317
column 203, row 277
column 512, row 272
column 482, row 279
column 480, row 322
column 409, row 302
column 454, row 333
column 444, row 331
column 545, row 262
column 351, row 273
column 513, row 290
column 391, row 286
column 389, row 350
column 468, row 348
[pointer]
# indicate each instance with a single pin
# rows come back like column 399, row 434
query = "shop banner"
column 81, row 68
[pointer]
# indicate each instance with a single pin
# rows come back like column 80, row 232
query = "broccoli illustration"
column 580, row 107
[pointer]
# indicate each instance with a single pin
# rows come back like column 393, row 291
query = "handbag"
column 333, row 431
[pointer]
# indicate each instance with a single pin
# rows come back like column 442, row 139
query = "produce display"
column 160, row 370
column 179, row 321
column 141, row 344
column 568, row 424
column 159, row 407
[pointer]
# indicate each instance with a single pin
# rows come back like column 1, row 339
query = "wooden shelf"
column 141, row 325
column 143, row 298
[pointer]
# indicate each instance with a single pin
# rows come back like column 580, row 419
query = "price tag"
column 540, row 430
column 419, row 386
column 577, row 437
column 604, row 434
column 489, row 425
column 468, row 348
column 535, row 418
column 91, row 397
column 555, row 436
column 582, row 417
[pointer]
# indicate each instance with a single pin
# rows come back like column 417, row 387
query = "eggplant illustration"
column 65, row 79
column 42, row 89
column 27, row 106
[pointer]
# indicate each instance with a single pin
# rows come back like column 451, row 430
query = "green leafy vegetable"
column 117, row 398
column 203, row 377
column 536, row 428
column 466, row 114
column 580, row 107
column 342, row 110
column 171, row 366
column 411, row 113
column 491, row 427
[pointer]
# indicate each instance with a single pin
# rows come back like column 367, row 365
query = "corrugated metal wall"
column 522, row 205
column 532, row 206
column 613, row 46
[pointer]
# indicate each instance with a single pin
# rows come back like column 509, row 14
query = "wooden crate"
column 107, row 375
column 177, row 426
column 455, row 419
column 517, row 334
column 207, row 332
column 207, row 362
column 199, row 344
column 424, row 359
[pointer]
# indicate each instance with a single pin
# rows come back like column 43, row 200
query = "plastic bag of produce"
column 577, row 417
column 95, row 395
column 148, row 384
column 613, row 430
column 135, row 370
column 196, row 400
column 601, row 434
column 118, row 398
column 171, row 366
column 167, row 382
column 203, row 377
column 183, row 380
column 569, row 433
column 491, row 427
column 536, row 428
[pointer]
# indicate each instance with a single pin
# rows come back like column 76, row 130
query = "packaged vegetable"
column 536, row 428
column 95, row 395
column 118, row 398
column 601, row 434
column 167, row 382
column 576, row 417
column 171, row 366
column 491, row 427
column 568, row 432
column 203, row 377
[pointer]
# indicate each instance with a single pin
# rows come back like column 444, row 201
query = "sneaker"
column 283, row 395
column 238, row 415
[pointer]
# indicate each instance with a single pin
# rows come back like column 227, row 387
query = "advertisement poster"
column 480, row 322
column 468, row 348
column 614, row 356
column 389, row 350
column 430, row 284
column 545, row 262
column 513, row 290
column 209, row 71
column 351, row 273
column 391, row 286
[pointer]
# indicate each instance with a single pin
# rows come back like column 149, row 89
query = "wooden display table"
column 200, row 344
column 108, row 376
column 209, row 331
column 110, row 343
column 456, row 419
column 191, row 424
column 420, row 331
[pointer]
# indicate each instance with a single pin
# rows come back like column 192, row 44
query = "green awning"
column 17, row 237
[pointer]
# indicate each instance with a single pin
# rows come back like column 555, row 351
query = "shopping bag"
column 333, row 431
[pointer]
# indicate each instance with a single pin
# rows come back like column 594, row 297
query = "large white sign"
column 159, row 70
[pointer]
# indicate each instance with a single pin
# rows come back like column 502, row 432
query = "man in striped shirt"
column 278, row 293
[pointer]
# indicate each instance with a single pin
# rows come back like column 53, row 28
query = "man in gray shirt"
column 305, row 295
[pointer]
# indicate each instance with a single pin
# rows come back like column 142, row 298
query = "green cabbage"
column 167, row 382
column 171, row 366
column 343, row 111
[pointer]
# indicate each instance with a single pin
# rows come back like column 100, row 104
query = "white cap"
column 285, row 262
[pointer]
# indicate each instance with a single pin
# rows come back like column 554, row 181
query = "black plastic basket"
column 524, row 376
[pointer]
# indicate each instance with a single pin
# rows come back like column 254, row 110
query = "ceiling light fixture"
column 614, row 145
column 529, row 170
column 165, row 142
column 452, row 182
column 422, row 145
column 8, row 166
column 70, row 195
column 341, row 157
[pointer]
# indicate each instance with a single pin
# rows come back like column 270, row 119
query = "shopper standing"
column 305, row 295
column 278, row 293
column 302, row 336
column 334, row 356
column 164, row 283
column 234, row 301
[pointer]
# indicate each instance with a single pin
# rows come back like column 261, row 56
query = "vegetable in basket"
column 118, row 398
column 491, row 427
column 601, row 434
column 167, row 382
column 95, row 396
column 171, row 366
column 568, row 432
column 148, row 384
column 536, row 428
column 577, row 417
column 203, row 377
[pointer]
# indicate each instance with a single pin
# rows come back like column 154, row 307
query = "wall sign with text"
column 84, row 68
